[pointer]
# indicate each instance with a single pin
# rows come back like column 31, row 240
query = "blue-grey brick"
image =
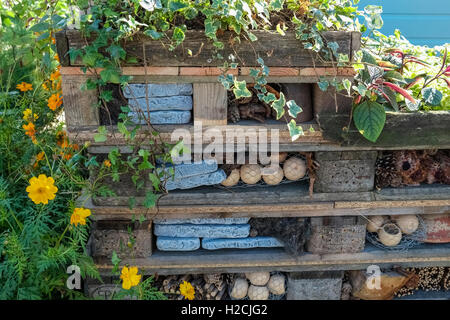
column 162, row 117
column 162, row 104
column 203, row 230
column 202, row 221
column 136, row 90
column 185, row 170
column 177, row 244
column 196, row 181
column 243, row 243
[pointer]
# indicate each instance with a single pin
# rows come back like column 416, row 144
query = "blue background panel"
column 422, row 22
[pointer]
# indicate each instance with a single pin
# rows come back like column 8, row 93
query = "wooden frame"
column 236, row 261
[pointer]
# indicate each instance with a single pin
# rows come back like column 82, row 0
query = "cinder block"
column 345, row 171
column 113, row 235
column 314, row 285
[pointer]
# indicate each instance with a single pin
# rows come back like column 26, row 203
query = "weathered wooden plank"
column 296, row 192
column 229, row 133
column 80, row 106
column 392, row 204
column 426, row 130
column 422, row 192
column 284, row 51
column 210, row 104
column 232, row 261
column 62, row 48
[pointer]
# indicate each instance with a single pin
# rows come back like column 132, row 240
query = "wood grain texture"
column 290, row 200
column 62, row 48
column 210, row 104
column 79, row 106
column 232, row 261
column 276, row 51
column 423, row 130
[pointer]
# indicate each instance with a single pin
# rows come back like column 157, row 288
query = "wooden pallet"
column 235, row 261
column 289, row 200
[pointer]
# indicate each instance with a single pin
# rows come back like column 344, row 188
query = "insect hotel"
column 335, row 205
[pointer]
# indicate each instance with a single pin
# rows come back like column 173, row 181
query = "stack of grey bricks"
column 161, row 103
column 210, row 234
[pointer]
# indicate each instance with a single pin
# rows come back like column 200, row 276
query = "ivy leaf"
column 240, row 89
column 175, row 5
column 117, row 52
column 101, row 135
column 150, row 200
column 110, row 75
column 279, row 30
column 155, row 181
column 432, row 96
column 152, row 33
column 178, row 35
column 323, row 85
column 150, row 5
column 294, row 130
column 276, row 5
column 278, row 105
column 413, row 106
column 294, row 109
column 347, row 85
column 369, row 118
column 131, row 203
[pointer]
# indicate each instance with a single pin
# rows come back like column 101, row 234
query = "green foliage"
column 369, row 118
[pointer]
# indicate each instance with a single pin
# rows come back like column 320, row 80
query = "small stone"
column 202, row 221
column 202, row 231
column 196, row 181
column 243, row 243
column 158, row 90
column 185, row 170
column 162, row 117
column 177, row 244
column 162, row 104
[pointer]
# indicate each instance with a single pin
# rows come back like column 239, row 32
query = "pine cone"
column 386, row 173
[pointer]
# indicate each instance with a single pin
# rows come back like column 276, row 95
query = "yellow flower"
column 39, row 157
column 79, row 216
column 130, row 277
column 107, row 163
column 29, row 129
column 45, row 86
column 54, row 101
column 24, row 87
column 41, row 189
column 27, row 115
column 187, row 290
column 55, row 75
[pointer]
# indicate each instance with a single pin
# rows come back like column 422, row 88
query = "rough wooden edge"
column 203, row 261
column 307, row 73
column 210, row 104
column 62, row 48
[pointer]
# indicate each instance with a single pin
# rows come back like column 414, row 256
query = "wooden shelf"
column 203, row 261
column 395, row 136
column 285, row 200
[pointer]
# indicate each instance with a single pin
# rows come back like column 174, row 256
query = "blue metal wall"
column 422, row 22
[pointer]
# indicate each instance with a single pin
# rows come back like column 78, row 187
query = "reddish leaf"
column 417, row 79
column 448, row 82
column 403, row 92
